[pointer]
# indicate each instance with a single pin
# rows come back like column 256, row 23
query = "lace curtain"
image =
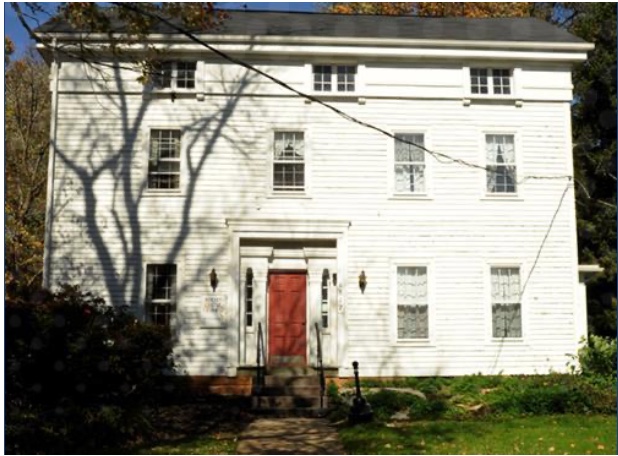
column 412, row 309
column 501, row 172
column 505, row 299
column 409, row 164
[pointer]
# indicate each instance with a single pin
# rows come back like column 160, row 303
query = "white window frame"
column 428, row 265
column 146, row 152
column 523, row 274
column 174, row 77
column 519, row 172
column 392, row 178
column 156, row 260
column 334, row 89
column 293, row 194
column 490, row 81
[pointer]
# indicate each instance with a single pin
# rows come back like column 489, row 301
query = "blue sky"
column 16, row 32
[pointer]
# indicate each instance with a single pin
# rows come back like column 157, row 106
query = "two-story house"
column 219, row 202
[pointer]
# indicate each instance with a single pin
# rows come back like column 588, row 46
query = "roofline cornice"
column 339, row 41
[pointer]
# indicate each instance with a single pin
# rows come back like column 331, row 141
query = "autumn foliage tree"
column 435, row 9
column 27, row 118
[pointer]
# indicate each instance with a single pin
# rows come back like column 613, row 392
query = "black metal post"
column 360, row 412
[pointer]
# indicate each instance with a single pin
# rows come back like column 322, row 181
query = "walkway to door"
column 289, row 436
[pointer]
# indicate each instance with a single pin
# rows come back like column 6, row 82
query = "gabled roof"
column 294, row 24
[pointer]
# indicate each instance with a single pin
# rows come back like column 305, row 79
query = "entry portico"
column 287, row 275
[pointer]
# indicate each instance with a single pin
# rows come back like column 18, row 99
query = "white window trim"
column 272, row 193
column 175, row 320
column 358, row 80
column 173, row 87
column 392, row 193
column 431, row 312
column 523, row 274
column 490, row 87
column 518, row 194
column 181, row 190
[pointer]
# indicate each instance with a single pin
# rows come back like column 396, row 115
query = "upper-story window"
column 334, row 78
column 289, row 161
column 490, row 81
column 164, row 160
column 175, row 75
column 501, row 164
column 409, row 163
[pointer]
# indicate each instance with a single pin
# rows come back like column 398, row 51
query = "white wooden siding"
column 458, row 228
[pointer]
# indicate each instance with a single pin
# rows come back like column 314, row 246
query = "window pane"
column 505, row 301
column 501, row 168
column 346, row 78
column 185, row 75
column 160, row 292
column 163, row 75
column 164, row 159
column 501, row 81
column 412, row 306
column 322, row 78
column 478, row 80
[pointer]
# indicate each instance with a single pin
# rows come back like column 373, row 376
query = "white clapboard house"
column 254, row 221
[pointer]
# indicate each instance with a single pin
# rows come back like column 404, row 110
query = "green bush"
column 80, row 372
column 598, row 357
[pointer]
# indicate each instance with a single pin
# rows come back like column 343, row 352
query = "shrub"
column 81, row 372
column 598, row 357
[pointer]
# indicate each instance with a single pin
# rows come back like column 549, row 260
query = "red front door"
column 287, row 319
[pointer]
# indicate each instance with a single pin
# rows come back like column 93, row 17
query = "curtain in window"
column 289, row 146
column 412, row 311
column 409, row 164
column 506, row 306
column 501, row 172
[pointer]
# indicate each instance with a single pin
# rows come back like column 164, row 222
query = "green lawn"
column 205, row 444
column 559, row 434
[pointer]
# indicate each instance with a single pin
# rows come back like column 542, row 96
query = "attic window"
column 175, row 75
column 490, row 81
column 334, row 78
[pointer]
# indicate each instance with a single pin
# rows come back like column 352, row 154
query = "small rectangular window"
column 164, row 160
column 161, row 283
column 412, row 303
column 331, row 78
column 505, row 302
column 249, row 298
column 289, row 162
column 324, row 301
column 501, row 165
column 175, row 75
column 409, row 163
column 485, row 81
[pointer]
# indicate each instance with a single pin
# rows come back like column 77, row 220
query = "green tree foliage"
column 594, row 130
column 79, row 374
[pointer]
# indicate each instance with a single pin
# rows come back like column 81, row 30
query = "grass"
column 557, row 434
column 204, row 444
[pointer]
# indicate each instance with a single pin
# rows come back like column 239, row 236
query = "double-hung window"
column 175, row 75
column 505, row 302
column 289, row 161
column 161, row 283
column 412, row 303
column 409, row 163
column 164, row 160
column 501, row 164
column 490, row 81
column 334, row 78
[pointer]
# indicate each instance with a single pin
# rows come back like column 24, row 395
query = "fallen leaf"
column 387, row 445
column 572, row 445
column 540, row 438
column 600, row 447
column 551, row 449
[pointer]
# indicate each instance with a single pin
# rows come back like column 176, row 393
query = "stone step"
column 286, row 402
column 292, row 381
column 289, row 390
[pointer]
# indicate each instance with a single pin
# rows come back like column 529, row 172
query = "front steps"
column 289, row 392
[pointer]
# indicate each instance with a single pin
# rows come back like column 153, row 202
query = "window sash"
column 409, row 164
column 289, row 161
column 497, row 81
column 412, row 303
column 506, row 302
column 161, row 288
column 249, row 299
column 324, row 301
column 501, row 164
column 175, row 75
column 164, row 160
column 328, row 78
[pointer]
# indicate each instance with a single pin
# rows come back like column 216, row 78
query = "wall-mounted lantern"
column 214, row 281
column 362, row 281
